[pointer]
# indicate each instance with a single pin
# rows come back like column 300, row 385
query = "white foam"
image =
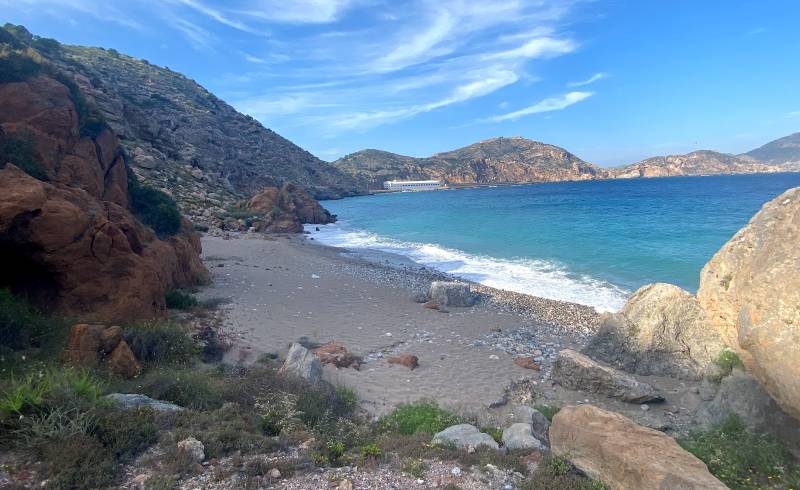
column 535, row 277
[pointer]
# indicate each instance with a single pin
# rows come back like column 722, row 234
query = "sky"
column 612, row 81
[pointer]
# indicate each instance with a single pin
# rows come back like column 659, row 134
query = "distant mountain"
column 783, row 151
column 493, row 161
column 702, row 162
column 178, row 136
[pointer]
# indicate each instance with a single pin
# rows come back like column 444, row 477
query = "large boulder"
column 444, row 293
column 576, row 371
column 302, row 363
column 750, row 291
column 612, row 448
column 287, row 209
column 70, row 243
column 464, row 436
column 661, row 330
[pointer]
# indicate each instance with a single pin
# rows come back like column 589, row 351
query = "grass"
column 20, row 150
column 556, row 473
column 153, row 207
column 421, row 417
column 190, row 388
column 549, row 411
column 495, row 432
column 743, row 460
column 178, row 299
column 23, row 327
column 161, row 344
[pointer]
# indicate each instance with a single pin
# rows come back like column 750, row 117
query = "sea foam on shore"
column 535, row 277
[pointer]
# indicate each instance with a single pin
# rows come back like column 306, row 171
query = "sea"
column 591, row 242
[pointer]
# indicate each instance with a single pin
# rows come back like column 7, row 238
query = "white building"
column 412, row 185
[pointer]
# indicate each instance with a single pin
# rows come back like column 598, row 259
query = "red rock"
column 527, row 363
column 83, row 346
column 122, row 362
column 431, row 305
column 285, row 210
column 110, row 338
column 408, row 360
column 335, row 353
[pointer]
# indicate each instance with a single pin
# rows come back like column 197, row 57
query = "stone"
column 192, row 448
column 464, row 436
column 750, row 290
column 286, row 209
column 122, row 361
column 615, row 450
column 345, row 485
column 83, row 346
column 451, row 294
column 538, row 422
column 334, row 353
column 302, row 363
column 134, row 401
column 274, row 473
column 419, row 297
column 526, row 362
column 576, row 371
column 661, row 330
column 520, row 436
column 408, row 360
column 110, row 338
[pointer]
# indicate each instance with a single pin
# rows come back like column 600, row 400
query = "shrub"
column 15, row 67
column 25, row 395
column 415, row 467
column 187, row 388
column 153, row 207
column 126, row 433
column 224, row 431
column 23, row 326
column 424, row 417
column 742, row 459
column 178, row 299
column 161, row 343
column 370, row 451
column 495, row 432
column 77, row 462
column 21, row 151
column 727, row 361
column 549, row 411
column 554, row 472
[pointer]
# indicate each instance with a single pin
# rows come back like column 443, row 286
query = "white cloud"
column 216, row 15
column 594, row 78
column 793, row 114
column 546, row 105
column 420, row 47
column 200, row 38
column 540, row 47
column 295, row 11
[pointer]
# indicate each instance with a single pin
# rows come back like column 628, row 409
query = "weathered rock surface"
column 661, row 330
column 89, row 345
column 335, row 353
column 134, row 401
column 286, row 209
column 750, row 291
column 408, row 360
column 576, row 371
column 122, row 361
column 538, row 422
column 520, row 436
column 302, row 363
column 70, row 243
column 612, row 448
column 464, row 436
column 445, row 294
column 702, row 162
column 527, row 362
column 193, row 448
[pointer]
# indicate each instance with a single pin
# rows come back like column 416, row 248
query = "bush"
column 742, row 459
column 419, row 417
column 77, row 462
column 162, row 344
column 557, row 473
column 153, row 207
column 727, row 361
column 126, row 433
column 187, row 388
column 15, row 67
column 23, row 326
column 495, row 432
column 549, row 411
column 178, row 299
column 21, row 151
column 224, row 431
column 25, row 395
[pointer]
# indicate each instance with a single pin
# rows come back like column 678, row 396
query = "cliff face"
column 68, row 239
column 703, row 162
column 181, row 138
column 494, row 161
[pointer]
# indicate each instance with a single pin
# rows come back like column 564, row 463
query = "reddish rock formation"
column 89, row 345
column 122, row 362
column 71, row 243
column 287, row 209
column 335, row 353
column 526, row 363
column 408, row 360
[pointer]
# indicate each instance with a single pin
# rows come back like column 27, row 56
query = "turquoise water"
column 588, row 242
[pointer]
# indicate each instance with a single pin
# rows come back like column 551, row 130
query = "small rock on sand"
column 302, row 363
column 464, row 436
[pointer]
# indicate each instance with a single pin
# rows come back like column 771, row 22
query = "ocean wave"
column 529, row 276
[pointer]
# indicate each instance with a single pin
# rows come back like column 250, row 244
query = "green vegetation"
column 557, row 473
column 422, row 417
column 161, row 344
column 728, row 360
column 22, row 326
column 743, row 460
column 20, row 150
column 549, row 411
column 415, row 467
column 495, row 432
column 15, row 67
column 178, row 299
column 153, row 207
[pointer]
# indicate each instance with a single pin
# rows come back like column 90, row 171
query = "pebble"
column 456, row 471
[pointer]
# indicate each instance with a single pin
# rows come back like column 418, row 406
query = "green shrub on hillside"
column 549, row 411
column 161, row 344
column 178, row 299
column 742, row 459
column 153, row 207
column 185, row 387
column 20, row 150
column 418, row 417
column 557, row 473
column 15, row 67
column 22, row 326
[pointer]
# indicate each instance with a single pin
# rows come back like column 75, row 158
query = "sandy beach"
column 282, row 288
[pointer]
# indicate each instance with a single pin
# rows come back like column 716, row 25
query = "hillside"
column 782, row 151
column 702, row 162
column 180, row 137
column 493, row 161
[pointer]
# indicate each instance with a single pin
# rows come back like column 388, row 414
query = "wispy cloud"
column 295, row 11
column 216, row 15
column 200, row 38
column 540, row 47
column 793, row 114
column 546, row 105
column 594, row 78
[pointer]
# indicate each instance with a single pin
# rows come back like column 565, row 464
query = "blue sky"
column 612, row 81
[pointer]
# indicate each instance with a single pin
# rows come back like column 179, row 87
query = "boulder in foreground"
column 615, row 450
column 302, row 363
column 464, row 436
column 444, row 293
column 576, row 371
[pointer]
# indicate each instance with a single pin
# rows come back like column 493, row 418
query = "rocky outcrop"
column 443, row 294
column 661, row 330
column 615, row 450
column 497, row 160
column 750, row 291
column 464, row 436
column 286, row 210
column 69, row 241
column 703, row 162
column 536, row 419
column 576, row 371
column 335, row 353
column 91, row 345
column 303, row 364
column 135, row 401
column 520, row 436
